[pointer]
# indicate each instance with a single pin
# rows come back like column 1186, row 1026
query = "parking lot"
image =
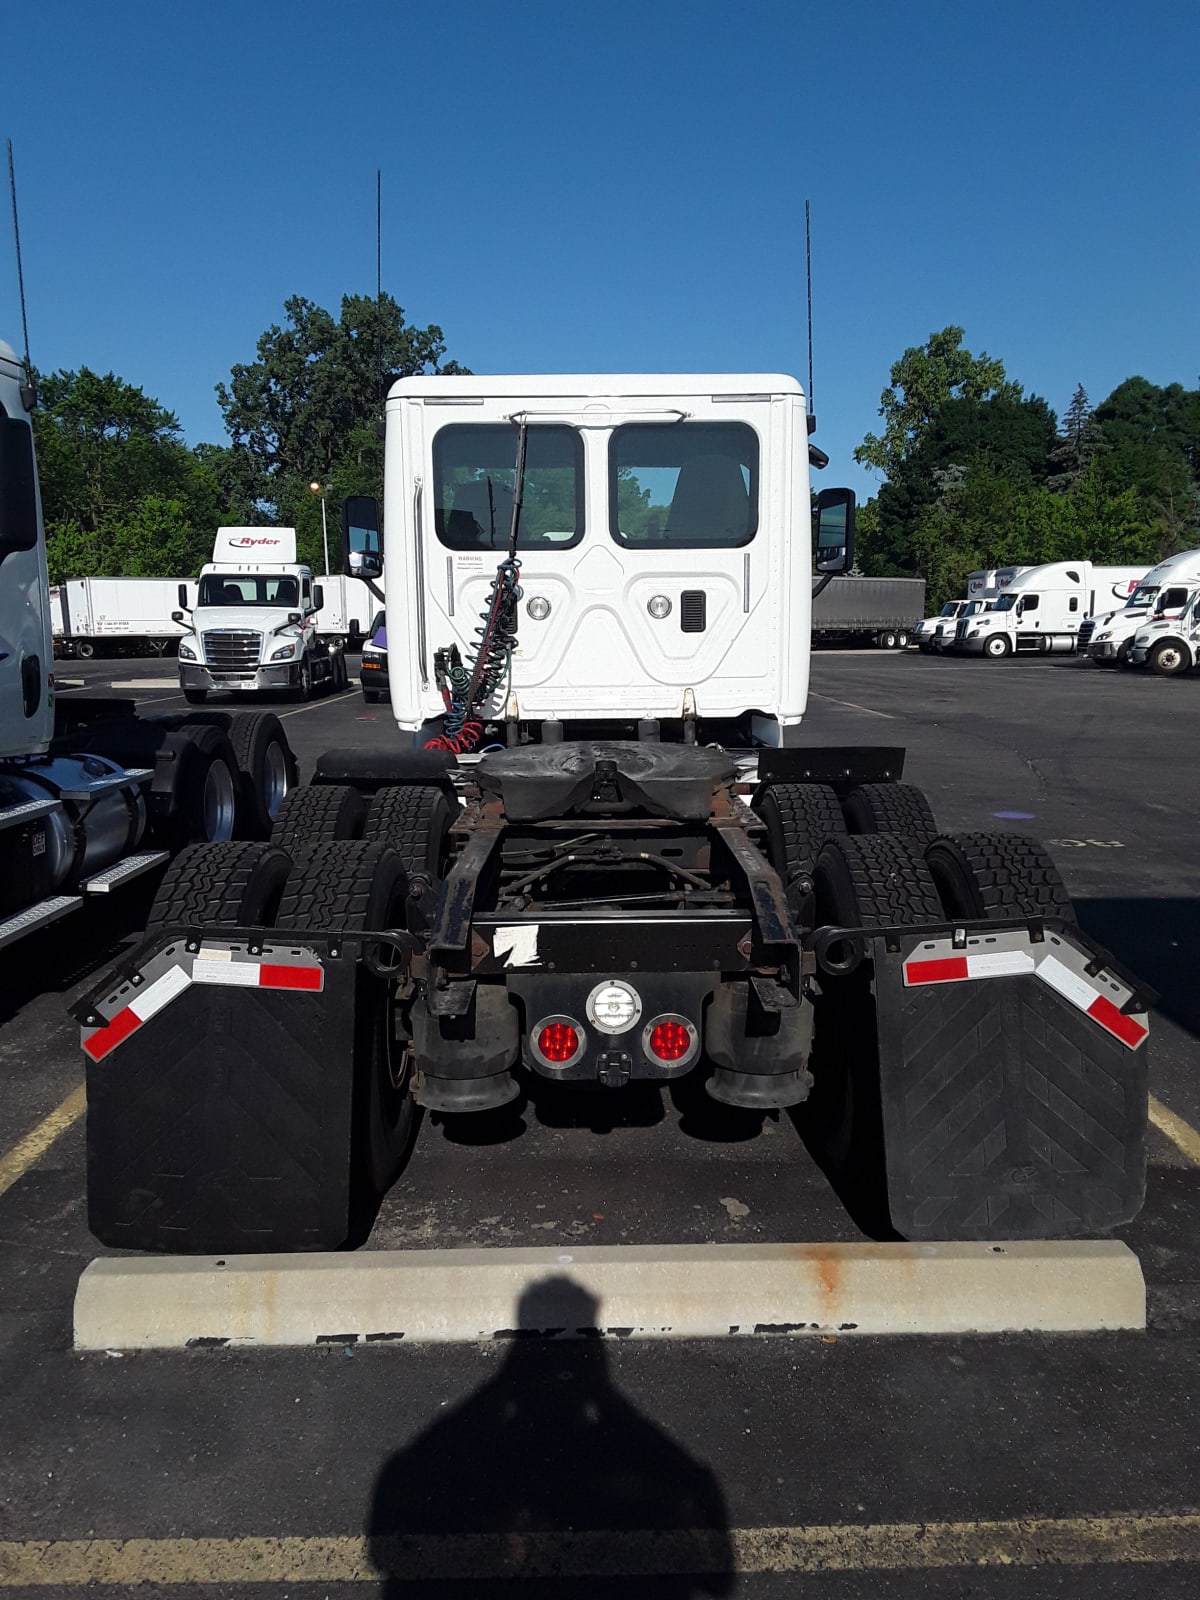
column 763, row 1466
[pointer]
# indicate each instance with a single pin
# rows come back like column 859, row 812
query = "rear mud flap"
column 220, row 1083
column 1013, row 1074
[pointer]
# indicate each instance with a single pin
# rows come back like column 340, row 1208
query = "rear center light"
column 558, row 1042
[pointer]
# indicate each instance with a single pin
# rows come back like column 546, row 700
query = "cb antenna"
column 812, row 415
column 379, row 283
column 28, row 391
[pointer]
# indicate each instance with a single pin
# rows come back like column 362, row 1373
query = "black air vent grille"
column 693, row 611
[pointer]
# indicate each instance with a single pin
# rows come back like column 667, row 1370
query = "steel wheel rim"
column 219, row 803
column 1169, row 658
column 275, row 779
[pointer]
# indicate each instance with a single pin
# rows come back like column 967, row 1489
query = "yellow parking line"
column 1181, row 1134
column 482, row 1557
column 34, row 1145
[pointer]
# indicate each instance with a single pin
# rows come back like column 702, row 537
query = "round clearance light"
column 671, row 1039
column 557, row 1041
column 539, row 608
column 614, row 1007
column 659, row 607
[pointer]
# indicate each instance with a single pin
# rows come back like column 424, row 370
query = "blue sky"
column 614, row 186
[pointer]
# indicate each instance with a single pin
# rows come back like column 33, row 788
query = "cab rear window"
column 474, row 467
column 683, row 485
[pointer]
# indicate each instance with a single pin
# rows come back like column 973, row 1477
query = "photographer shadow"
column 549, row 1478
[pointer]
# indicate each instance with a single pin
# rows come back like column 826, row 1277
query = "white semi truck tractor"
column 602, row 852
column 91, row 795
column 1043, row 608
column 1108, row 638
column 254, row 626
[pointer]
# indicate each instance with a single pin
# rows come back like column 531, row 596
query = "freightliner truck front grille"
column 232, row 649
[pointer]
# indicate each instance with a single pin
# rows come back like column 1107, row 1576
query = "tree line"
column 977, row 473
column 123, row 495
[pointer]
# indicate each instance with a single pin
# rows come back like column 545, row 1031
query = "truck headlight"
column 1101, row 637
column 186, row 653
column 284, row 653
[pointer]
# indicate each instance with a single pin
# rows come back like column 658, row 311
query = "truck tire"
column 872, row 881
column 341, row 677
column 221, row 885
column 1168, row 658
column 85, row 649
column 891, row 808
column 267, row 770
column 799, row 818
column 353, row 885
column 997, row 875
column 997, row 646
column 195, row 697
column 304, row 678
column 205, row 789
column 316, row 815
column 415, row 821
column 902, row 640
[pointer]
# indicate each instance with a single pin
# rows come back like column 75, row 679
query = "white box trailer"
column 347, row 611
column 117, row 616
column 1043, row 608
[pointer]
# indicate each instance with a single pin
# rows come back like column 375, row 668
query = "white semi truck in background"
column 91, row 795
column 1170, row 646
column 254, row 623
column 1163, row 593
column 604, row 851
column 1042, row 608
column 983, row 589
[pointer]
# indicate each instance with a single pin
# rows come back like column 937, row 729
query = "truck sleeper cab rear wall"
column 658, row 559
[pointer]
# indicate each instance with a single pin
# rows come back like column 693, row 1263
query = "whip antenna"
column 379, row 283
column 28, row 393
column 808, row 276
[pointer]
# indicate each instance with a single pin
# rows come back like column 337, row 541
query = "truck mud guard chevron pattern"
column 1012, row 1081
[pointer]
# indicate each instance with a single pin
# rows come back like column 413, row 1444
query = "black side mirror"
column 177, row 616
column 318, row 597
column 183, row 596
column 834, row 531
column 362, row 537
column 295, row 618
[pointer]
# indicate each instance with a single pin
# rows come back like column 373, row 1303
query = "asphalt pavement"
column 836, row 1467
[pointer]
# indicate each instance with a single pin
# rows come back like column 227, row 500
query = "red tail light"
column 558, row 1042
column 671, row 1040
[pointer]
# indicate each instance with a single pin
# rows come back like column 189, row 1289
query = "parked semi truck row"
column 92, row 795
column 604, row 852
column 1043, row 608
column 1108, row 638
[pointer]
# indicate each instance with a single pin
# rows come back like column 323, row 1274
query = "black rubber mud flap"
column 1008, row 1111
column 221, row 1124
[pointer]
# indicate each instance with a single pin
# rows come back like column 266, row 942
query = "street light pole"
column 317, row 489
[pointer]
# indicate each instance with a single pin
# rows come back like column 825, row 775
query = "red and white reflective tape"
column 939, row 963
column 953, row 969
column 218, row 966
column 140, row 1009
column 212, row 966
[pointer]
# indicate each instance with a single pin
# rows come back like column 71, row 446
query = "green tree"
column 1076, row 443
column 306, row 408
column 924, row 379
